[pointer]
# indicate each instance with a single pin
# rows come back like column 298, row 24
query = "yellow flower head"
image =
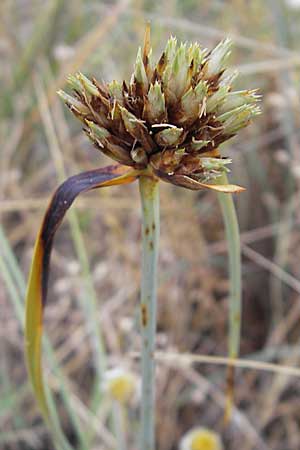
column 201, row 439
column 119, row 384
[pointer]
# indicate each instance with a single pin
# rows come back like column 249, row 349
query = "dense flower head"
column 171, row 117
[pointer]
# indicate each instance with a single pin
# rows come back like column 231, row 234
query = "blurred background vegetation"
column 92, row 316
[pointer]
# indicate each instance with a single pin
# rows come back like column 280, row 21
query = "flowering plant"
column 166, row 124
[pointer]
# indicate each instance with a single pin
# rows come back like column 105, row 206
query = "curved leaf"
column 36, row 295
column 190, row 183
column 225, row 188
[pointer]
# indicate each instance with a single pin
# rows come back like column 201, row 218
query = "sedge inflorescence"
column 171, row 117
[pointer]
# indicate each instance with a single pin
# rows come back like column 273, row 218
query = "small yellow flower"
column 121, row 385
column 201, row 439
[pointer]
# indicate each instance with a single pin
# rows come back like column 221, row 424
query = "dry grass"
column 40, row 42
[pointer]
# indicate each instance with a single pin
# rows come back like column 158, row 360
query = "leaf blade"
column 224, row 188
column 195, row 185
column 36, row 295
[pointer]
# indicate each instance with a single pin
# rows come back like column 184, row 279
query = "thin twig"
column 189, row 358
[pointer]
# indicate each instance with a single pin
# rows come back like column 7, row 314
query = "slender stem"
column 235, row 300
column 119, row 417
column 150, row 238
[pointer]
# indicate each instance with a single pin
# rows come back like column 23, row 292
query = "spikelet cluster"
column 171, row 117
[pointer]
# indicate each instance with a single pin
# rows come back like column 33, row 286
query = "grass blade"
column 38, row 278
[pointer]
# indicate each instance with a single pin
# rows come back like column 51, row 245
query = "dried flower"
column 172, row 116
column 201, row 439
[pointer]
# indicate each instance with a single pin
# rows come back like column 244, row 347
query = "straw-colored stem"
column 150, row 239
column 235, row 300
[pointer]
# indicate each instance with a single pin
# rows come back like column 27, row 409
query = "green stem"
column 119, row 417
column 150, row 238
column 235, row 300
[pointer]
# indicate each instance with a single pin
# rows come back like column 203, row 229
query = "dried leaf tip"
column 147, row 44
